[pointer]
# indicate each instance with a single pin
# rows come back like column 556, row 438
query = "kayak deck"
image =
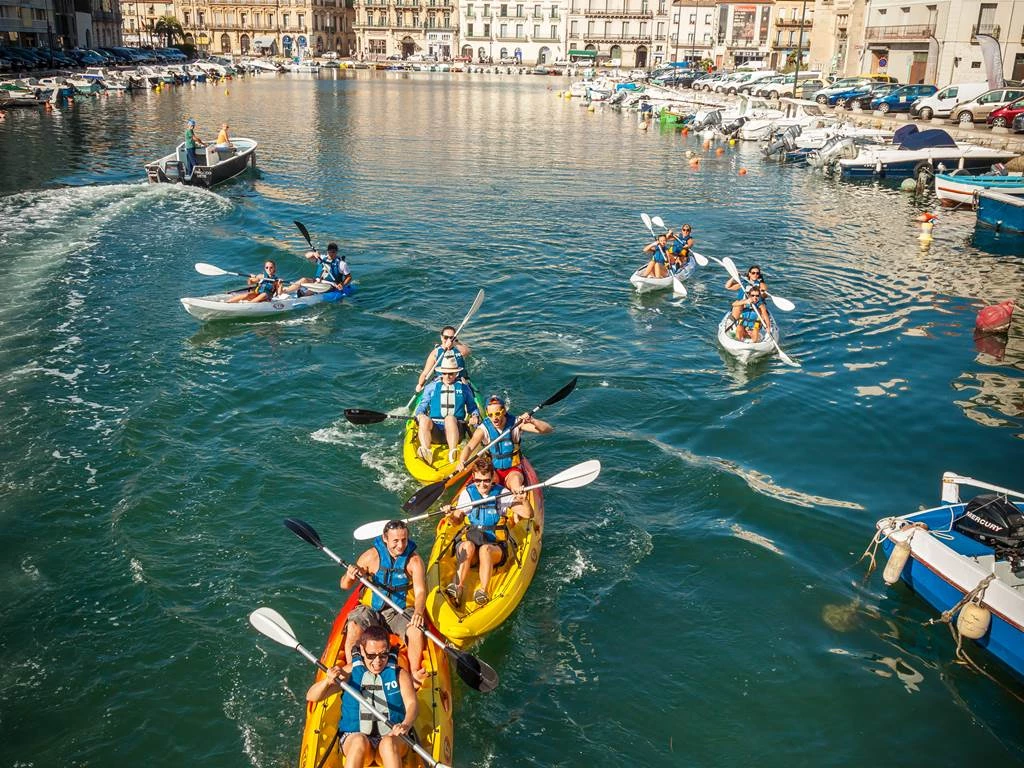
column 434, row 726
column 217, row 307
column 747, row 350
column 649, row 284
column 439, row 467
column 464, row 624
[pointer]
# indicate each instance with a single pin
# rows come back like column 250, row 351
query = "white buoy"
column 973, row 620
column 897, row 562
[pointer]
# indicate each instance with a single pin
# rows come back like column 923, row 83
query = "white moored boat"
column 745, row 351
column 959, row 188
column 216, row 306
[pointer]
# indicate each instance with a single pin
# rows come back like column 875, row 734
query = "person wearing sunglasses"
column 449, row 346
column 264, row 287
column 484, row 541
column 750, row 314
column 658, row 265
column 754, row 277
column 679, row 247
column 373, row 672
column 506, row 452
column 445, row 407
column 394, row 565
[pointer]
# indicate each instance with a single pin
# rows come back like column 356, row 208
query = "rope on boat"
column 893, row 524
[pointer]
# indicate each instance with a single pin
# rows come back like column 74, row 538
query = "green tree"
column 170, row 28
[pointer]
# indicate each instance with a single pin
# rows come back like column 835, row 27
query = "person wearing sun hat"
column 447, row 403
column 191, row 140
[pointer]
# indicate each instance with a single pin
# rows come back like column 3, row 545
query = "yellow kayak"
column 439, row 468
column 464, row 624
column 435, row 728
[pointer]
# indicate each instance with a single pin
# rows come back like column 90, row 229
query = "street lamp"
column 799, row 50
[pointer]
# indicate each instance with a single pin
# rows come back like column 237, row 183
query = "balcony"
column 598, row 38
column 622, row 13
column 510, row 38
column 985, row 29
column 793, row 23
column 745, row 44
column 905, row 32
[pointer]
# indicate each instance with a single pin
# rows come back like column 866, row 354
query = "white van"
column 942, row 103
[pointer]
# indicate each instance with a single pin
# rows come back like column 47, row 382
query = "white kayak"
column 746, row 350
column 649, row 284
column 216, row 306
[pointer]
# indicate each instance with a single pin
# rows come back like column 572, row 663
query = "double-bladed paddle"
column 428, row 494
column 730, row 267
column 272, row 624
column 477, row 674
column 702, row 261
column 305, row 234
column 213, row 271
column 576, row 476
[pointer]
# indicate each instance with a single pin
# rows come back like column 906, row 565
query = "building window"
column 661, row 29
column 536, row 12
column 536, row 30
column 469, row 30
column 378, row 47
column 503, row 30
column 519, row 32
column 643, row 29
column 302, row 20
column 554, row 32
column 504, row 10
column 487, row 30
column 519, row 11
column 487, row 10
column 574, row 28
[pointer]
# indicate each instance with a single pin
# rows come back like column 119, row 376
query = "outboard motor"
column 831, row 151
column 731, row 128
column 711, row 119
column 785, row 141
column 995, row 521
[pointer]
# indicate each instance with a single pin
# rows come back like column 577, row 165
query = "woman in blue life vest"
column 387, row 688
column 489, row 510
column 449, row 346
column 658, row 265
column 754, row 277
column 751, row 315
column 394, row 565
column 331, row 269
column 264, row 287
column 446, row 405
column 679, row 247
column 506, row 451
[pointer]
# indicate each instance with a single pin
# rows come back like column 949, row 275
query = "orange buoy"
column 995, row 319
column 686, row 131
column 927, row 216
column 743, row 171
column 695, row 162
column 719, row 151
column 707, row 145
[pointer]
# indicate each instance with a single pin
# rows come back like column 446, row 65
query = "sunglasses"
column 375, row 656
column 495, row 413
column 447, row 338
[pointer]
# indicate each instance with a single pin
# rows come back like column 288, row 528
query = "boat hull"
column 215, row 307
column 746, row 351
column 434, row 726
column 1001, row 212
column 959, row 190
column 905, row 164
column 651, row 284
column 213, row 168
column 467, row 623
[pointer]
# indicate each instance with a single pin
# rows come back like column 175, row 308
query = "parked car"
column 709, row 83
column 1004, row 117
column 942, row 103
column 900, row 99
column 840, row 98
column 876, row 92
column 748, row 85
column 1018, row 123
column 680, row 78
column 966, row 113
column 847, row 83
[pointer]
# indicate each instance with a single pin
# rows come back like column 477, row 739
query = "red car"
column 1003, row 117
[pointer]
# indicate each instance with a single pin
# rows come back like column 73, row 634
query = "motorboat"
column 806, row 114
column 215, row 166
column 1001, row 211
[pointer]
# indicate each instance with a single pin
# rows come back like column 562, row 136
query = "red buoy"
column 995, row 318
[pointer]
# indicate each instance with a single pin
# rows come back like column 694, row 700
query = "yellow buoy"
column 973, row 620
column 897, row 561
column 732, row 142
column 926, row 232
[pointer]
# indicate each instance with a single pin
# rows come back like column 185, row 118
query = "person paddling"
column 394, row 565
column 264, row 286
column 451, row 346
column 657, row 266
column 485, row 540
column 374, row 673
column 679, row 247
column 445, row 406
column 506, row 453
column 754, row 277
column 331, row 269
column 751, row 313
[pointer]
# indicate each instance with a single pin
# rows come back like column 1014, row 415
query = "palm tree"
column 169, row 27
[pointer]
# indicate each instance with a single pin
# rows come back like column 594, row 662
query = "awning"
column 266, row 41
column 590, row 54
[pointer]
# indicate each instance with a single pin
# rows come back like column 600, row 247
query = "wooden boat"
column 216, row 306
column 464, row 624
column 439, row 467
column 214, row 166
column 948, row 559
column 434, row 726
column 650, row 284
column 959, row 188
column 745, row 351
column 1000, row 211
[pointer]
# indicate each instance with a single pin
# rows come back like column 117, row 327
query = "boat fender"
column 995, row 318
column 897, row 562
column 974, row 620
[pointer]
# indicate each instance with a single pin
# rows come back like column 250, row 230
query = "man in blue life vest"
column 485, row 539
column 449, row 346
column 331, row 269
column 506, row 453
column 446, row 405
column 264, row 287
column 658, row 265
column 750, row 314
column 393, row 565
column 375, row 674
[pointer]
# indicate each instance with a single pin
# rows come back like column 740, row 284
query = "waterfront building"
column 31, row 23
column 838, row 38
column 692, row 30
column 626, row 33
column 405, row 28
column 138, row 19
column 742, row 34
column 98, row 23
column 531, row 33
column 791, row 31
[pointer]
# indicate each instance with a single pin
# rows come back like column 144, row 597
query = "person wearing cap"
column 331, row 269
column 657, row 267
column 446, row 405
column 504, row 439
column 750, row 313
column 679, row 247
column 191, row 141
column 393, row 565
column 449, row 345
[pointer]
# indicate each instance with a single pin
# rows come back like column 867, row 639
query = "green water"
column 700, row 604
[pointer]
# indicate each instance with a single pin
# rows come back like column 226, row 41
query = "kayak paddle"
column 213, row 271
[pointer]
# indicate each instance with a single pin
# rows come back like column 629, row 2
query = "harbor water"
column 700, row 604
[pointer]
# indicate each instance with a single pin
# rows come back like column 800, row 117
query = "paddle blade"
column 730, row 267
column 561, row 394
column 210, row 270
column 784, row 304
column 472, row 310
column 702, row 261
column 304, row 531
column 678, row 288
column 424, row 497
column 658, row 222
column 269, row 622
column 360, row 416
column 305, row 232
column 582, row 474
column 477, row 674
column 647, row 223
column 369, row 530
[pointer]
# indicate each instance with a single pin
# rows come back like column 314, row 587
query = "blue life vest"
column 658, row 255
column 331, row 270
column 741, row 292
column 440, row 352
column 486, row 517
column 391, row 575
column 266, row 284
column 383, row 693
column 453, row 399
column 505, row 452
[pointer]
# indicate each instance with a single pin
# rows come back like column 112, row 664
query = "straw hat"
column 449, row 365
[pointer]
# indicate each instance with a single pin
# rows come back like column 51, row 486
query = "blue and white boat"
column 958, row 187
column 1001, row 211
column 959, row 548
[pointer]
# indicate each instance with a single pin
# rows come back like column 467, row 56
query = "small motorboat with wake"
column 217, row 307
column 215, row 165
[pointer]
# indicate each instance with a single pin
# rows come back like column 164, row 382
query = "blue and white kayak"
column 944, row 564
column 216, row 306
